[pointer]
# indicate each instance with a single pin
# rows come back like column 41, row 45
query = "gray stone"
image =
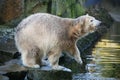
column 38, row 74
column 5, row 56
column 12, row 66
column 3, row 77
column 8, row 12
column 14, row 70
column 7, row 42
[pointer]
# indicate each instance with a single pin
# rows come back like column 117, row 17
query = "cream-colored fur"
column 44, row 35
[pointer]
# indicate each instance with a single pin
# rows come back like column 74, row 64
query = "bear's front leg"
column 75, row 53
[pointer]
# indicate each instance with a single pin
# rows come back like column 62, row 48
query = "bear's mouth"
column 92, row 29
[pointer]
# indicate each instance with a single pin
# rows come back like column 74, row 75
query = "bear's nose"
column 97, row 23
column 100, row 22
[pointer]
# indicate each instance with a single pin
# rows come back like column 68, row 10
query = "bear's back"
column 44, row 21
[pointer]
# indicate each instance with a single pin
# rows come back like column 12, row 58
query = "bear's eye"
column 91, row 20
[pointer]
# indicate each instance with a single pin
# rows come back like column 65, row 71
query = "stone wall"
column 10, row 9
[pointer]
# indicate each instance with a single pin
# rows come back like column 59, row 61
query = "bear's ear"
column 82, row 20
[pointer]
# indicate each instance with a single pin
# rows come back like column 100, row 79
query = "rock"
column 5, row 56
column 7, row 43
column 3, row 77
column 91, row 68
column 8, row 12
column 38, row 74
column 15, row 71
column 18, row 75
column 46, row 73
column 12, row 66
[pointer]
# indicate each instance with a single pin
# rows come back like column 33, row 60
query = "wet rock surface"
column 5, row 56
column 3, row 77
column 7, row 43
column 48, row 75
column 11, row 66
column 15, row 71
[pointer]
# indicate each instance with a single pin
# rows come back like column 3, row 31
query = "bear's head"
column 82, row 25
column 88, row 23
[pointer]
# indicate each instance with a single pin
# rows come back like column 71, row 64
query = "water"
column 105, row 64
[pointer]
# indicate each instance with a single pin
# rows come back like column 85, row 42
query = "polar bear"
column 44, row 35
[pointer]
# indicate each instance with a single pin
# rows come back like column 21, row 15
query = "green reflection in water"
column 109, row 61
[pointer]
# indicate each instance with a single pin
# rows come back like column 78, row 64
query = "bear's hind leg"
column 53, row 57
column 30, row 59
